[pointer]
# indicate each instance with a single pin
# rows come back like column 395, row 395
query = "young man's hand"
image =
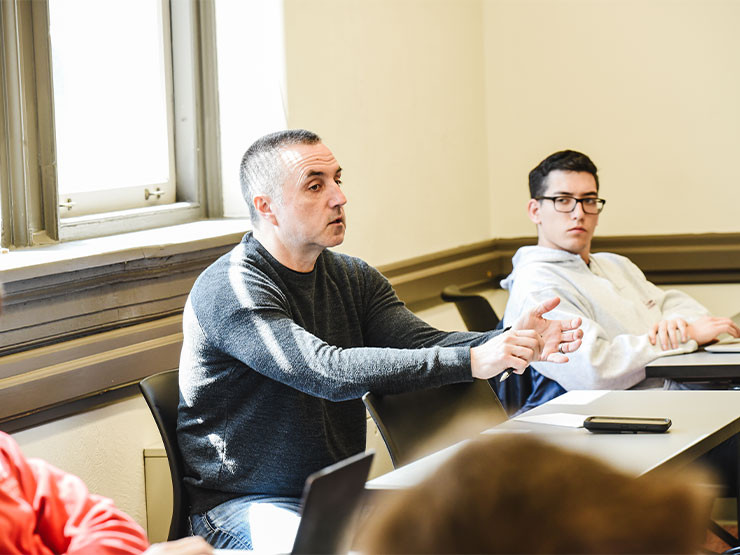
column 673, row 332
column 531, row 338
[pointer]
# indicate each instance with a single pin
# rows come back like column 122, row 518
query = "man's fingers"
column 566, row 325
column 673, row 335
column 573, row 335
column 684, row 329
column 570, row 346
column 663, row 335
column 525, row 353
column 652, row 334
column 557, row 357
column 733, row 329
column 518, row 363
column 545, row 307
column 524, row 344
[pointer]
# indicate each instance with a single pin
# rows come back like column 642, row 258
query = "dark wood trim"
column 93, row 401
column 665, row 259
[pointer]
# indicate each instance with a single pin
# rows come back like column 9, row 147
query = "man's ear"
column 533, row 211
column 263, row 206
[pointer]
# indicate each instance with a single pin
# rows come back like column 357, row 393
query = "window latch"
column 68, row 204
column 155, row 193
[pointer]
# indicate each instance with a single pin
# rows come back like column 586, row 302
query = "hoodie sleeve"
column 671, row 302
column 613, row 354
column 603, row 361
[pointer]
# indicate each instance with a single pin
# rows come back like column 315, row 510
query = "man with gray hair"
column 282, row 337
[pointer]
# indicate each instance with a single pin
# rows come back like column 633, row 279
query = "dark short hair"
column 262, row 170
column 564, row 160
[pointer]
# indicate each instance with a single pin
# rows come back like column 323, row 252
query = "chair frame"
column 475, row 310
column 161, row 392
column 408, row 422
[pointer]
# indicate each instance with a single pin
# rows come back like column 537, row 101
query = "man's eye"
column 589, row 201
column 314, row 187
column 562, row 200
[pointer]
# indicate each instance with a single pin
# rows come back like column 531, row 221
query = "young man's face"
column 569, row 231
column 310, row 214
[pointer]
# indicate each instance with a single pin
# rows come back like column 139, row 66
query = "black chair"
column 162, row 394
column 476, row 311
column 416, row 423
column 478, row 315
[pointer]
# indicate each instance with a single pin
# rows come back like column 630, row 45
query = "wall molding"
column 665, row 259
column 100, row 329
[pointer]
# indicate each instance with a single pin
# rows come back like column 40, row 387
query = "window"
column 105, row 111
column 112, row 104
column 251, row 103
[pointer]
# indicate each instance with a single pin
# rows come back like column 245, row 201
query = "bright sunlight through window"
column 110, row 103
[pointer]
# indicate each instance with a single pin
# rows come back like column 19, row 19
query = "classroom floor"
column 716, row 545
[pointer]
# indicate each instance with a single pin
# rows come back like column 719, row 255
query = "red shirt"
column 44, row 510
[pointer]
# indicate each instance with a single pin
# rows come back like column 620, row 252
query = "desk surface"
column 701, row 420
column 696, row 366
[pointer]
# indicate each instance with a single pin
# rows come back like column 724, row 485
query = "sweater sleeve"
column 68, row 518
column 401, row 352
column 389, row 323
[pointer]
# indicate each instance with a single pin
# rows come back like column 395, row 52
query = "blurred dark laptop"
column 331, row 497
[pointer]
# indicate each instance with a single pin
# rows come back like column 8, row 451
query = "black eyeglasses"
column 590, row 205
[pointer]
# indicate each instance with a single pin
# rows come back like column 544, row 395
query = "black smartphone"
column 616, row 424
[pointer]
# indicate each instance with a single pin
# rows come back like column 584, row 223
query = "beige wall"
column 650, row 89
column 438, row 109
column 395, row 88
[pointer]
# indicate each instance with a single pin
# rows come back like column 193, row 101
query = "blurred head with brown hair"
column 515, row 494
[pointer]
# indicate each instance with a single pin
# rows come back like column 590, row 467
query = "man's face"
column 569, row 231
column 310, row 215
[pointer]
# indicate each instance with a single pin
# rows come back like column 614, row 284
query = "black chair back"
column 419, row 422
column 475, row 310
column 162, row 394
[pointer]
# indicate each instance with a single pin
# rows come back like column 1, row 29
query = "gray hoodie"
column 618, row 306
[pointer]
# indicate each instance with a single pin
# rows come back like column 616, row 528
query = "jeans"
column 255, row 522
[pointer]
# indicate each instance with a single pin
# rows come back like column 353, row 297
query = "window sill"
column 67, row 290
column 33, row 262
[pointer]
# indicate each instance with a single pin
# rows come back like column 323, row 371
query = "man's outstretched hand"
column 532, row 338
column 559, row 336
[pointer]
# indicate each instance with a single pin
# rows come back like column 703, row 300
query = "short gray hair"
column 262, row 170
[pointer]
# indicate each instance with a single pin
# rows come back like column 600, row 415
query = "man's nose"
column 578, row 211
column 337, row 196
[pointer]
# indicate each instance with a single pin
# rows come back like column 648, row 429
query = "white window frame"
column 28, row 188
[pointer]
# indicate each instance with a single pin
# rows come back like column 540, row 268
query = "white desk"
column 701, row 420
column 699, row 365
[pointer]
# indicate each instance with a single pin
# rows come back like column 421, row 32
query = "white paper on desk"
column 555, row 419
column 578, row 397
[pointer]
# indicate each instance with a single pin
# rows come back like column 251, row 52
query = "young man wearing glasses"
column 627, row 321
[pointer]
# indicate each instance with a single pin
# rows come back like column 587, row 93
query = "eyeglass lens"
column 568, row 204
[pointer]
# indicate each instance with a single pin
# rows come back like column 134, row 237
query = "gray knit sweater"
column 274, row 363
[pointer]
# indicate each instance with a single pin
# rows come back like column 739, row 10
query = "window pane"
column 251, row 84
column 110, row 98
